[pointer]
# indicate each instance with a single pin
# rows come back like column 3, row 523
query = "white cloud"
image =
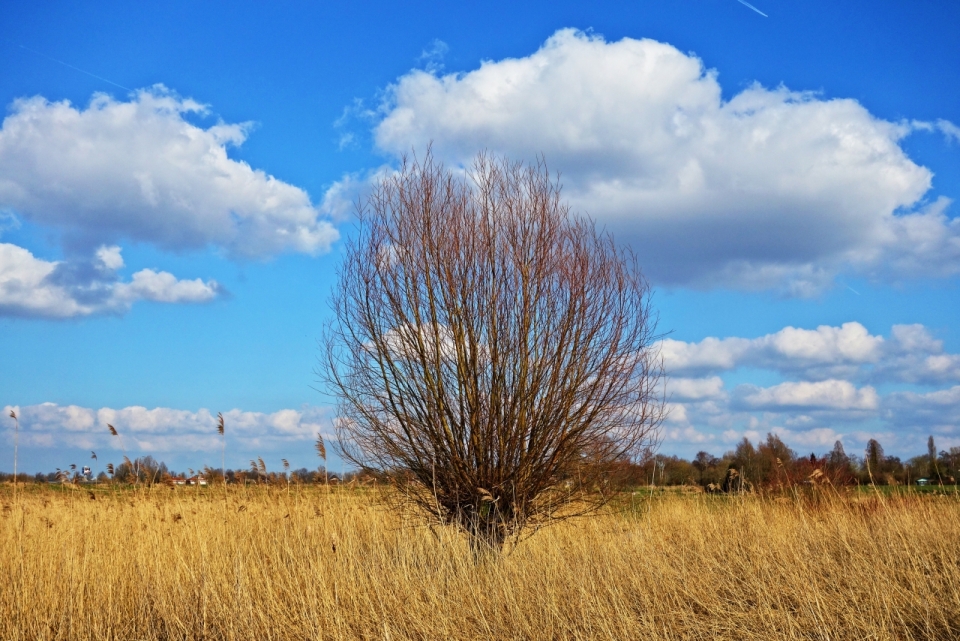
column 432, row 57
column 772, row 188
column 937, row 411
column 790, row 349
column 834, row 398
column 911, row 354
column 30, row 286
column 948, row 129
column 695, row 389
column 340, row 200
column 850, row 342
column 139, row 170
column 709, row 355
column 163, row 287
column 110, row 257
column 687, row 435
column 822, row 437
column 821, row 395
column 162, row 429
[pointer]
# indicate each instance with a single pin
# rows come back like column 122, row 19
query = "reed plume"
column 322, row 453
column 321, row 448
column 16, row 444
column 221, row 430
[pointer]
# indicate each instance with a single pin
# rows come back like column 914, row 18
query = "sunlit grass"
column 303, row 563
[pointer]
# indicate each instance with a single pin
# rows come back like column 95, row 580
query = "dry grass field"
column 268, row 563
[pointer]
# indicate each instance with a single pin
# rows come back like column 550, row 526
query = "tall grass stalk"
column 322, row 453
column 16, row 447
column 126, row 459
column 221, row 430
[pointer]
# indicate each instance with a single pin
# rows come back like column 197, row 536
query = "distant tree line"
column 149, row 471
column 767, row 464
column 772, row 464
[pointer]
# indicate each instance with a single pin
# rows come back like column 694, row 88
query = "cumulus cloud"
column 695, row 389
column 913, row 355
column 910, row 354
column 33, row 287
column 829, row 393
column 821, row 395
column 949, row 130
column 164, row 429
column 687, row 435
column 820, row 437
column 140, row 170
column 937, row 411
column 770, row 189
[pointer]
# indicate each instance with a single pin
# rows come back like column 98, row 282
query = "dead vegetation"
column 268, row 563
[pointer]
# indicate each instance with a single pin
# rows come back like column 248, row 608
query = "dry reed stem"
column 312, row 564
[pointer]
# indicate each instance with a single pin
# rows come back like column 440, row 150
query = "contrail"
column 747, row 4
column 65, row 64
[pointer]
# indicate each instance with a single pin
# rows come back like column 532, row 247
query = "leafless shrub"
column 490, row 351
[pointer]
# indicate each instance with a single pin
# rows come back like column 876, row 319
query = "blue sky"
column 176, row 179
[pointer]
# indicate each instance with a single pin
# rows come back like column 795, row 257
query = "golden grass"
column 305, row 564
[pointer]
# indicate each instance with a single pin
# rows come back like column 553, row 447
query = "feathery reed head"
column 220, row 423
column 113, row 430
column 13, row 415
column 286, row 463
column 321, row 448
column 93, row 455
column 262, row 466
column 110, row 468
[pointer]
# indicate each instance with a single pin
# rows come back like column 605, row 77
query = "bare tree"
column 490, row 352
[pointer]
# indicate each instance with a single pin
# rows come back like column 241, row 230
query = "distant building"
column 923, row 481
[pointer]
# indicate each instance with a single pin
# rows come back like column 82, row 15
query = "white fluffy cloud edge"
column 32, row 287
column 836, row 383
column 163, row 430
column 137, row 170
column 771, row 189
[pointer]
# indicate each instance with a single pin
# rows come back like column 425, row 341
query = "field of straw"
column 268, row 563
